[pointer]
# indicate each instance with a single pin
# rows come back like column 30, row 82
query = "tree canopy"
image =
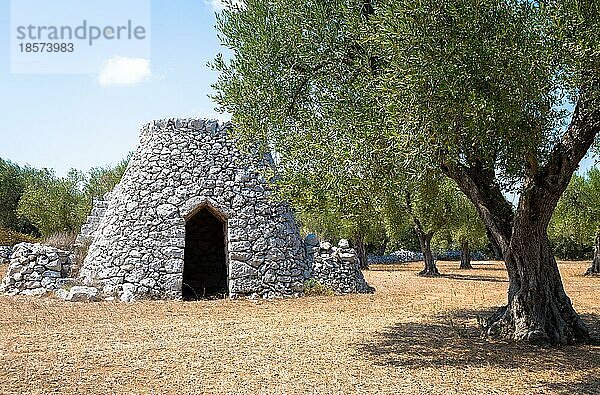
column 13, row 179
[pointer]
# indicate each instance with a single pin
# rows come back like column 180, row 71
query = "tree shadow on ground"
column 473, row 277
column 590, row 384
column 454, row 340
column 413, row 266
column 393, row 267
column 488, row 266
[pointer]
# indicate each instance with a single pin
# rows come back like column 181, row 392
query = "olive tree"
column 100, row 180
column 13, row 179
column 337, row 212
column 429, row 205
column 55, row 204
column 278, row 88
column 466, row 228
column 479, row 89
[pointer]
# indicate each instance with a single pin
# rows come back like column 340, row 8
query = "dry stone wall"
column 5, row 252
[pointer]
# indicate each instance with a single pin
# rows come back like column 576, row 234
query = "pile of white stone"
column 35, row 269
column 401, row 256
column 5, row 252
column 336, row 267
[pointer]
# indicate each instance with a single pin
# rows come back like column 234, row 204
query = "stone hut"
column 192, row 218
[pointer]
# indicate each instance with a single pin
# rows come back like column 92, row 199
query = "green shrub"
column 314, row 288
column 568, row 248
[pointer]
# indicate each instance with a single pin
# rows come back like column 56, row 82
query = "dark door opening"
column 205, row 266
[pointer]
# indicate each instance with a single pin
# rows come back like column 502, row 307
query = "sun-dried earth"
column 414, row 335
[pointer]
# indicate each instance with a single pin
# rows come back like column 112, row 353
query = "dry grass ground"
column 415, row 335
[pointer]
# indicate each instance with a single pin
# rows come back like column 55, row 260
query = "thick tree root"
column 429, row 273
column 511, row 324
column 465, row 266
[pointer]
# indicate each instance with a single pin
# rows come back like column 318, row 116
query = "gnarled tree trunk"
column 465, row 255
column 538, row 309
column 383, row 246
column 430, row 269
column 361, row 251
column 496, row 250
column 595, row 268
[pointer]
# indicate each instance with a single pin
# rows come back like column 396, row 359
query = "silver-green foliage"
column 576, row 221
column 61, row 204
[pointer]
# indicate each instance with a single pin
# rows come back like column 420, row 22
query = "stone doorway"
column 205, row 262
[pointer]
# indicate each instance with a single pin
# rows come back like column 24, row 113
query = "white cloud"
column 216, row 5
column 219, row 5
column 122, row 71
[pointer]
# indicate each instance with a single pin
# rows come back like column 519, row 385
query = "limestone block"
column 82, row 294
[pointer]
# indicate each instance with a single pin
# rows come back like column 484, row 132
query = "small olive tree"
column 577, row 215
column 55, row 204
column 13, row 179
column 466, row 228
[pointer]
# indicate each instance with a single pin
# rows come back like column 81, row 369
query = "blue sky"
column 64, row 121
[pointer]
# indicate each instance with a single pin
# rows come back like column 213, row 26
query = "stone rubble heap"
column 336, row 267
column 5, row 253
column 36, row 269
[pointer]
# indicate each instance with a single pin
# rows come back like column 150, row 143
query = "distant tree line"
column 39, row 203
column 575, row 227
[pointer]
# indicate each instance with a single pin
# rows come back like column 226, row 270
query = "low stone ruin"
column 336, row 267
column 5, row 252
column 36, row 269
column 401, row 256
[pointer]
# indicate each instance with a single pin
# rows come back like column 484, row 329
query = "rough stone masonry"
column 35, row 269
column 184, row 167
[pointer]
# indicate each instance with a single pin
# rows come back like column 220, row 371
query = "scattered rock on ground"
column 82, row 294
